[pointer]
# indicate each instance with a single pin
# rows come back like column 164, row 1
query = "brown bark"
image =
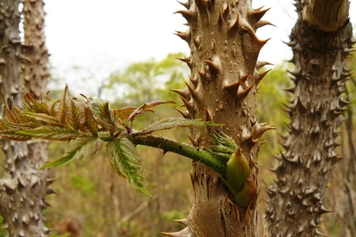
column 320, row 47
column 34, row 50
column 23, row 187
column 34, row 66
column 222, row 88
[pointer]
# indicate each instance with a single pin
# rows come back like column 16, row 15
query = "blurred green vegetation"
column 92, row 200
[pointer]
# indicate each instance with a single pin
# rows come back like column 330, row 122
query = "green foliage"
column 272, row 95
column 148, row 80
column 79, row 148
column 3, row 232
column 173, row 215
column 126, row 161
column 83, row 184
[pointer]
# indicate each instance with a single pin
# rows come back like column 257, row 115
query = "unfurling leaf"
column 90, row 122
column 64, row 107
column 127, row 162
column 79, row 148
column 32, row 105
column 169, row 123
column 102, row 113
column 78, row 115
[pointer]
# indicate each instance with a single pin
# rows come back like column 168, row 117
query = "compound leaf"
column 79, row 148
column 169, row 123
column 127, row 162
column 50, row 133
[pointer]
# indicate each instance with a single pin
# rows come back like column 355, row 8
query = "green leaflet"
column 127, row 162
column 49, row 132
column 169, row 123
column 79, row 148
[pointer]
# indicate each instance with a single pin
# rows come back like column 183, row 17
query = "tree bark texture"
column 34, row 50
column 320, row 43
column 23, row 187
column 222, row 87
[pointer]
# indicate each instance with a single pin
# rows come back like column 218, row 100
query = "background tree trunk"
column 222, row 88
column 23, row 187
column 321, row 40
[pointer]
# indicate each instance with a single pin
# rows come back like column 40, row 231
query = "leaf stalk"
column 183, row 149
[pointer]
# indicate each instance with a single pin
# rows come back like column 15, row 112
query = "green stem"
column 183, row 149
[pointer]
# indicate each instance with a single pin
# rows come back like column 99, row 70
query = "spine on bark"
column 316, row 111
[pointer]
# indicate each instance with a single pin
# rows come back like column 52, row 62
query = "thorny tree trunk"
column 35, row 75
column 222, row 88
column 321, row 40
column 35, row 72
column 23, row 187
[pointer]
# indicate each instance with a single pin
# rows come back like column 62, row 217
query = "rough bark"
column 320, row 46
column 34, row 50
column 23, row 187
column 222, row 88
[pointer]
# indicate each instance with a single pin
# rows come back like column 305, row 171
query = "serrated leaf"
column 147, row 107
column 10, row 128
column 79, row 148
column 124, row 113
column 9, row 115
column 32, row 105
column 78, row 115
column 169, row 123
column 90, row 122
column 14, row 136
column 50, row 133
column 64, row 112
column 47, row 119
column 53, row 109
column 17, row 112
column 127, row 162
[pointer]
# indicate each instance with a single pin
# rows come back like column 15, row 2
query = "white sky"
column 106, row 36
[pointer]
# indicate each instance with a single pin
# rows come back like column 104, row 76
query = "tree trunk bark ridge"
column 222, row 87
column 23, row 187
column 296, row 205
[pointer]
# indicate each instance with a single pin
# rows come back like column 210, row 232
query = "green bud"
column 237, row 171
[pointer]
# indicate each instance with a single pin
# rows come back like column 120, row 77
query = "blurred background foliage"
column 91, row 200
